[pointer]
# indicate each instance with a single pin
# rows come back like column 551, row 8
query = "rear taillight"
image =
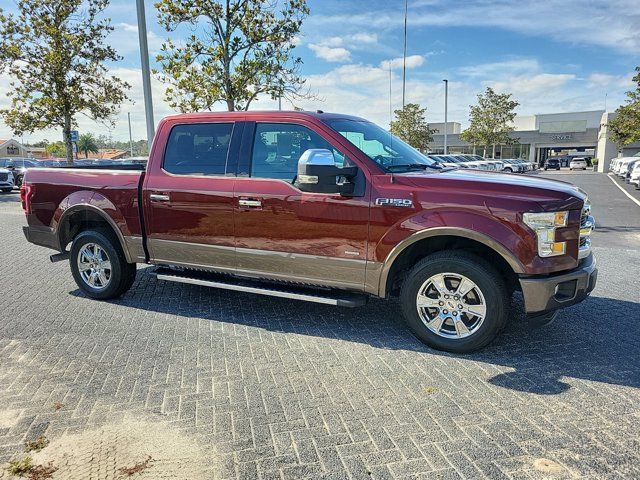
column 26, row 193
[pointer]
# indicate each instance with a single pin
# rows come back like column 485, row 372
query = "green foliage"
column 140, row 147
column 56, row 149
column 625, row 127
column 490, row 120
column 238, row 50
column 20, row 467
column 54, row 51
column 411, row 126
column 87, row 143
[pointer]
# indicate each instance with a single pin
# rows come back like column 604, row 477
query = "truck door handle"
column 249, row 202
column 157, row 197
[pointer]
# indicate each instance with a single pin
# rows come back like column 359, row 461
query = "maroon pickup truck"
column 325, row 208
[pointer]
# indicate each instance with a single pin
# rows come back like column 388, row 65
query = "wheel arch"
column 84, row 216
column 424, row 242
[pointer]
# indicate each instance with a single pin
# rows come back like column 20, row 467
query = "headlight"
column 545, row 225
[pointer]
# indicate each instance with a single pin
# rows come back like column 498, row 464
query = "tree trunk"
column 66, row 137
column 484, row 152
column 493, row 151
column 231, row 105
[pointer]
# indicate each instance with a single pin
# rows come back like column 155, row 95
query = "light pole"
column 146, row 74
column 130, row 137
column 404, row 55
column 446, row 95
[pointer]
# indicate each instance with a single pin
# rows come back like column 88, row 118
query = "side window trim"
column 233, row 124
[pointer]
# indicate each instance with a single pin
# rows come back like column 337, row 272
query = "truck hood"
column 549, row 195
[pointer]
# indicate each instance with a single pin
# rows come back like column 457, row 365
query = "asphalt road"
column 218, row 384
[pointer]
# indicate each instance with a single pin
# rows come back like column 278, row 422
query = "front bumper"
column 551, row 292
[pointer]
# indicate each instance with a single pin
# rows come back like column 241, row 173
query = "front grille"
column 4, row 177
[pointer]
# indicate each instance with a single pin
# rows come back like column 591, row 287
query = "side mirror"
column 318, row 173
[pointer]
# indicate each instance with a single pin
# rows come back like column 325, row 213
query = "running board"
column 293, row 292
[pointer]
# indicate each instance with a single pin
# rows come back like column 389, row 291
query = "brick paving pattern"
column 269, row 388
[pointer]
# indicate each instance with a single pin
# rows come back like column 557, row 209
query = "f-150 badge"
column 394, row 202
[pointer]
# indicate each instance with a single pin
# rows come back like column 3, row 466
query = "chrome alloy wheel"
column 94, row 266
column 451, row 305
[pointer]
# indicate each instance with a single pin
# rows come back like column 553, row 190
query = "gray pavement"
column 218, row 384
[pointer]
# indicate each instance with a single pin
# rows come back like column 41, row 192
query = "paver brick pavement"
column 245, row 386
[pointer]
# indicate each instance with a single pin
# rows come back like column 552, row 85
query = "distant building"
column 106, row 154
column 12, row 148
column 541, row 136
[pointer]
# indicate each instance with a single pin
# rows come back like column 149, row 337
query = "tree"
column 625, row 127
column 54, row 51
column 411, row 126
column 87, row 143
column 56, row 149
column 491, row 120
column 239, row 49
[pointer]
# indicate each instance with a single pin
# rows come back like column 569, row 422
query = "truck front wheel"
column 99, row 266
column 454, row 301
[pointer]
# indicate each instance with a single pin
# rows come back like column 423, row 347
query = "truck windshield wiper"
column 412, row 166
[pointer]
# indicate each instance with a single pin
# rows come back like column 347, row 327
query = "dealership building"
column 538, row 137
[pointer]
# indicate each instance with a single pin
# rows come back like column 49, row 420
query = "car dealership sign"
column 562, row 137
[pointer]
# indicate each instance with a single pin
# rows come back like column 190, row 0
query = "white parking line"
column 634, row 200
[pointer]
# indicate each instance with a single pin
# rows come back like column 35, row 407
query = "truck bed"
column 113, row 189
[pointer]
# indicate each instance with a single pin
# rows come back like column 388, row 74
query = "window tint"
column 278, row 146
column 199, row 149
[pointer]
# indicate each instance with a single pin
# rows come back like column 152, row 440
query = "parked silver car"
column 7, row 181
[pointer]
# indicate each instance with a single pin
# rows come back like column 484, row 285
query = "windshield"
column 382, row 147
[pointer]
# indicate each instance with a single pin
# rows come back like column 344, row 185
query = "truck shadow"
column 597, row 340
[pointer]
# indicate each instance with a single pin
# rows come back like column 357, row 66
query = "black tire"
column 487, row 279
column 508, row 170
column 122, row 273
column 7, row 190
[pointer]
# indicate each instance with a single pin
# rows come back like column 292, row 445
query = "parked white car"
column 635, row 176
column 578, row 164
column 7, row 181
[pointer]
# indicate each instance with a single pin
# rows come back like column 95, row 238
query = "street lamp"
column 146, row 74
column 404, row 55
column 446, row 95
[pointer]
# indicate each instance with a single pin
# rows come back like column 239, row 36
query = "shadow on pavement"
column 597, row 340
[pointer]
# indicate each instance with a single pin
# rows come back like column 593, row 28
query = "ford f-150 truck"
column 320, row 207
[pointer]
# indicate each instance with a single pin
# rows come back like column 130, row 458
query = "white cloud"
column 364, row 37
column 331, row 54
column 500, row 69
column 609, row 23
column 124, row 39
column 526, row 84
column 413, row 61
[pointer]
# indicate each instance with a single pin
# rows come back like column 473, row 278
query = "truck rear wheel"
column 454, row 301
column 99, row 266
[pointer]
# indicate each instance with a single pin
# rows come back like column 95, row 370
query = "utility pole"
column 130, row 137
column 146, row 73
column 404, row 55
column 446, row 95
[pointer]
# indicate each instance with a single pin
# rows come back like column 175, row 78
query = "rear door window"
column 198, row 149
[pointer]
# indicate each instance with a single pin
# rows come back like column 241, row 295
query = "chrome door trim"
column 246, row 202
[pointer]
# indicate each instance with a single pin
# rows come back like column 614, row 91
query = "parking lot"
column 218, row 384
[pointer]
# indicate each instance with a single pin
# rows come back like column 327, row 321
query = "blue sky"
column 554, row 56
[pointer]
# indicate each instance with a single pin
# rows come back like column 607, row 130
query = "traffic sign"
column 74, row 135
